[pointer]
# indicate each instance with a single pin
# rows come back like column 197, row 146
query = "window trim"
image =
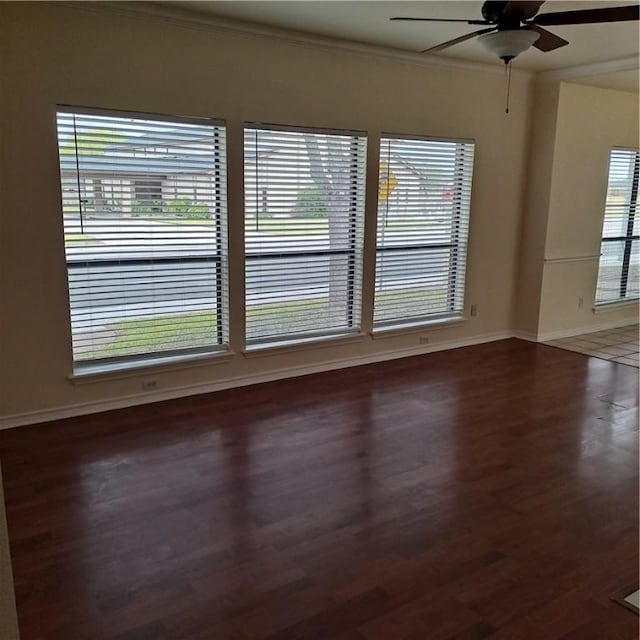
column 292, row 128
column 112, row 366
column 292, row 346
column 354, row 328
column 425, row 138
column 628, row 238
column 91, row 371
column 401, row 328
column 452, row 316
column 142, row 115
column 616, row 305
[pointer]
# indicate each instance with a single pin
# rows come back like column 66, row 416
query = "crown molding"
column 583, row 71
column 198, row 20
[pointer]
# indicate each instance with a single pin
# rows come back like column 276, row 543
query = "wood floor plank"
column 485, row 492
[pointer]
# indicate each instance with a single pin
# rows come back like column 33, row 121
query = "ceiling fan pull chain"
column 507, row 71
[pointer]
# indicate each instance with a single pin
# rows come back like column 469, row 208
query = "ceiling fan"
column 516, row 26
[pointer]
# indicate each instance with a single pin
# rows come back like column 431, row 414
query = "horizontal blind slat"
column 619, row 265
column 424, row 197
column 144, row 210
column 304, row 212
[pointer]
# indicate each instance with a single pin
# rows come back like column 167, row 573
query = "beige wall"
column 590, row 121
column 56, row 54
column 536, row 207
column 538, row 191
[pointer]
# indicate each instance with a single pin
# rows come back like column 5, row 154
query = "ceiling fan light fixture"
column 509, row 43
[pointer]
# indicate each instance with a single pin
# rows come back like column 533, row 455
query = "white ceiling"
column 368, row 22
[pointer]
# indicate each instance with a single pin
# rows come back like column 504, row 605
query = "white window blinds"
column 619, row 252
column 144, row 211
column 423, row 225
column 304, row 210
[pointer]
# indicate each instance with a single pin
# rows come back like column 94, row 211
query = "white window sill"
column 94, row 372
column 617, row 305
column 414, row 327
column 290, row 346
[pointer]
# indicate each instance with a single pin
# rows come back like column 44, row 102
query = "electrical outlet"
column 474, row 310
column 149, row 385
column 424, row 340
column 580, row 303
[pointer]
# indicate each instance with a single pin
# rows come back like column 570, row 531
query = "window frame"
column 451, row 315
column 217, row 350
column 628, row 238
column 355, row 236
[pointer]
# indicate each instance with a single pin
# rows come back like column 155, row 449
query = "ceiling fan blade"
column 450, row 43
column 547, row 41
column 524, row 10
column 440, row 20
column 589, row 16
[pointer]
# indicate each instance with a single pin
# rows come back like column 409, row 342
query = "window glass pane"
column 619, row 193
column 290, row 295
column 144, row 223
column 633, row 282
column 411, row 283
column 610, row 274
column 618, row 267
column 423, row 220
column 304, row 210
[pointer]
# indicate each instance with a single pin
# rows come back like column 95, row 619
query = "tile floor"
column 633, row 599
column 619, row 345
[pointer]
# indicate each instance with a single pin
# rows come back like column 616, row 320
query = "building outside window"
column 144, row 212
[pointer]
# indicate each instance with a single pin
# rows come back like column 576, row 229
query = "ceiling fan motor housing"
column 498, row 13
column 492, row 10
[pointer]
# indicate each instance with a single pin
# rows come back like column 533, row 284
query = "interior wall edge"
column 534, row 212
column 519, row 244
column 524, row 335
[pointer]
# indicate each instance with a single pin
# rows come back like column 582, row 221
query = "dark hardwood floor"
column 486, row 492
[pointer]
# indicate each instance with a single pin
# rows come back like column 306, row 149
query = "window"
column 423, row 225
column 144, row 212
column 304, row 211
column 619, row 253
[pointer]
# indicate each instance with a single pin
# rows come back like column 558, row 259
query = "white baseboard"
column 69, row 411
column 524, row 335
column 576, row 331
